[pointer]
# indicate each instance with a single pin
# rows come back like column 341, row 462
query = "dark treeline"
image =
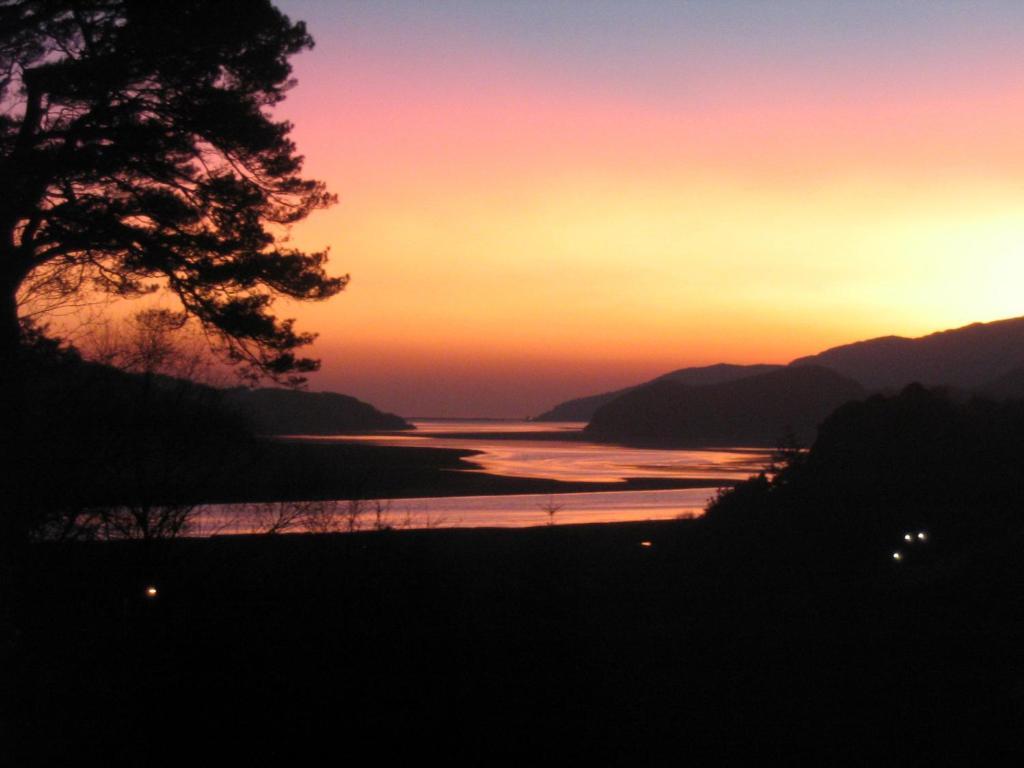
column 88, row 434
column 95, row 450
column 921, row 459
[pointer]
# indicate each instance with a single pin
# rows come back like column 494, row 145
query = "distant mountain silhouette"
column 583, row 408
column 755, row 410
column 970, row 357
column 985, row 358
column 295, row 412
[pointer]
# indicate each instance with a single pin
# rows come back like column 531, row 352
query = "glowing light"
column 151, row 592
column 908, row 537
column 645, row 543
column 897, row 555
column 922, row 536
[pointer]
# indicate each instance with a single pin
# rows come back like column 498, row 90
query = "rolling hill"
column 969, row 357
column 583, row 408
column 295, row 412
column 756, row 410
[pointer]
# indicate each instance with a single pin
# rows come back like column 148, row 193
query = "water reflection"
column 536, row 450
column 554, row 450
column 516, row 511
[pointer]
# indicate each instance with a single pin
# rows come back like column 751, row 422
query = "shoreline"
column 315, row 470
column 484, row 485
column 568, row 436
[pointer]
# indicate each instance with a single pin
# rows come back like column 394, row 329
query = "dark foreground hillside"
column 518, row 647
column 780, row 627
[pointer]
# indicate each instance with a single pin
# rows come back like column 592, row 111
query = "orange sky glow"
column 531, row 211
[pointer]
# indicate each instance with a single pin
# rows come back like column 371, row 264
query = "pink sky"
column 550, row 201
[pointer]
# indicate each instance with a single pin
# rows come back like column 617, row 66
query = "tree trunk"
column 12, row 418
column 10, row 331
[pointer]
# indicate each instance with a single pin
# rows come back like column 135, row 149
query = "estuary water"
column 550, row 450
column 533, row 449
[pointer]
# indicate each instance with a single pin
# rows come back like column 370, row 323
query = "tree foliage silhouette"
column 138, row 152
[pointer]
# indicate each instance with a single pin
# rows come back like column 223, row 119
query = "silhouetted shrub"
column 102, row 452
column 920, row 459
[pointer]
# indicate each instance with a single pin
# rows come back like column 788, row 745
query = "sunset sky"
column 540, row 200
